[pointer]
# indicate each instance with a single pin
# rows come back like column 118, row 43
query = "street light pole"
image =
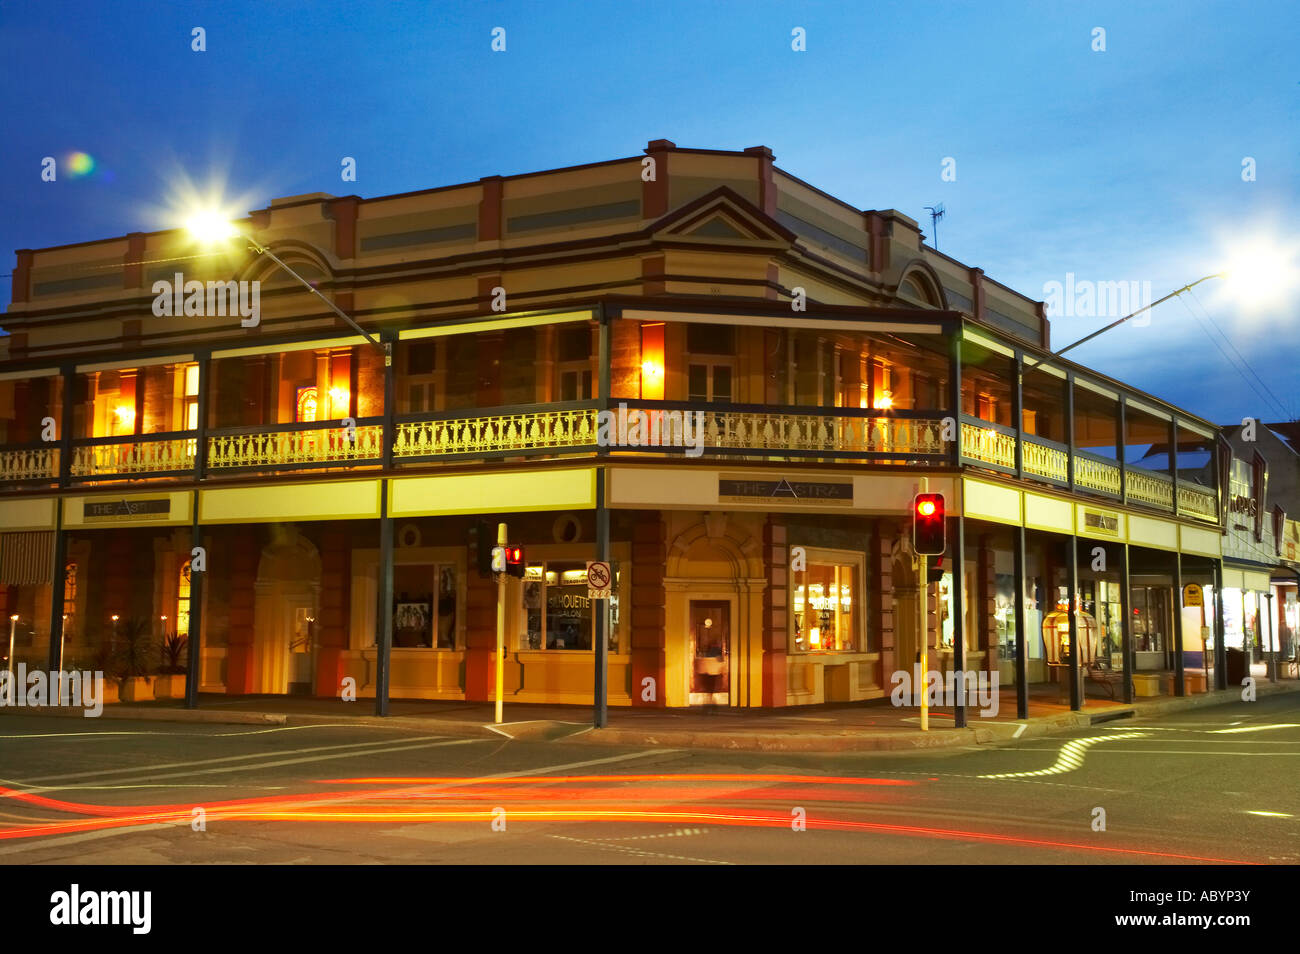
column 263, row 250
column 1113, row 324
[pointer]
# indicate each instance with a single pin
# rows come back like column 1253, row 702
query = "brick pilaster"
column 776, row 602
column 649, row 616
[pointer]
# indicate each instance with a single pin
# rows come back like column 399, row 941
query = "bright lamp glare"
column 1261, row 272
column 925, row 508
column 210, row 227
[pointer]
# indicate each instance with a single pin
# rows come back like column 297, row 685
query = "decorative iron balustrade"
column 134, row 457
column 988, row 445
column 749, row 431
column 319, row 445
column 1198, row 502
column 808, row 433
column 1146, row 487
column 1040, row 460
column 29, row 464
column 494, row 433
column 33, row 463
column 1096, row 475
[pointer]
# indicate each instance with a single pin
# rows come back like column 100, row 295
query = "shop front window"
column 826, row 607
column 557, row 611
column 424, row 609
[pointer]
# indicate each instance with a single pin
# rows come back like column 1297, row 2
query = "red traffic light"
column 929, row 524
column 515, row 561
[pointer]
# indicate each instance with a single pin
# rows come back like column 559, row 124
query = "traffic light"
column 928, row 524
column 515, row 561
column 935, row 573
column 498, row 564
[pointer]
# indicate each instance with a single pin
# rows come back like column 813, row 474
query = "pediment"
column 721, row 216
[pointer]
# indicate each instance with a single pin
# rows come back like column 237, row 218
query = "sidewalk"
column 862, row 727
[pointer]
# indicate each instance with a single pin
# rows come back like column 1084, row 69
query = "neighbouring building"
column 689, row 361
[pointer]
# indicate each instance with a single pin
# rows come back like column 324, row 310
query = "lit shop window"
column 183, row 601
column 826, row 608
column 557, row 612
column 424, row 607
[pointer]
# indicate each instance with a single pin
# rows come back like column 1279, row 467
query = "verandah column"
column 1022, row 664
column 1071, row 612
column 1220, row 650
column 1179, row 687
column 58, row 561
column 1126, row 624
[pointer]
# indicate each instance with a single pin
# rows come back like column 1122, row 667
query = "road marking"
column 213, row 761
column 84, row 836
column 209, row 735
column 1272, row 814
column 1071, row 756
column 258, row 766
column 1257, row 728
column 1019, row 729
column 604, row 846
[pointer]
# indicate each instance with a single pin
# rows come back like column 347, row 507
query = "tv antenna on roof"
column 936, row 213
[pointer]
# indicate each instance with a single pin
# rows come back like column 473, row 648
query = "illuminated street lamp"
column 1253, row 272
column 209, row 228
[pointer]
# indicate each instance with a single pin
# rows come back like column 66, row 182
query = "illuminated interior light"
column 125, row 413
column 885, row 401
column 815, row 636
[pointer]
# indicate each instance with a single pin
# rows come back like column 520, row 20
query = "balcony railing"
column 292, row 446
column 23, row 464
column 994, row 446
column 482, row 434
column 750, row 432
column 137, row 455
column 1102, row 476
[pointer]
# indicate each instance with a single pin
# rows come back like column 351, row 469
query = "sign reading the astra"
column 736, row 489
column 127, row 509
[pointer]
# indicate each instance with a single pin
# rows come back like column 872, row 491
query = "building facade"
column 724, row 380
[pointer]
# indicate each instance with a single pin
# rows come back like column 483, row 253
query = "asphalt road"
column 1211, row 785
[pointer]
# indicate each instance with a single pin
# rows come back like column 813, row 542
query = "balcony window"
column 25, row 403
column 422, row 378
column 1096, row 422
column 1043, row 411
column 1146, row 440
column 986, row 386
column 574, row 365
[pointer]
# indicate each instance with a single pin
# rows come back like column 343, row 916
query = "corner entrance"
column 710, row 628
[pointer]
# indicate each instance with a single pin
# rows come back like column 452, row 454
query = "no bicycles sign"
column 598, row 580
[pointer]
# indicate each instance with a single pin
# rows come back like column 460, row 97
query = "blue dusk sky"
column 1150, row 160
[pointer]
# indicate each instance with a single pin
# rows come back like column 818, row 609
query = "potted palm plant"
column 133, row 661
column 170, row 683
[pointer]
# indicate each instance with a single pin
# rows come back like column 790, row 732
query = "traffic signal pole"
column 923, row 599
column 501, row 627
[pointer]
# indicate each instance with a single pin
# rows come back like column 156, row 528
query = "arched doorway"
column 714, row 595
column 285, row 607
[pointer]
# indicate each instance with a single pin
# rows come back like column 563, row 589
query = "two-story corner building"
column 691, row 361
